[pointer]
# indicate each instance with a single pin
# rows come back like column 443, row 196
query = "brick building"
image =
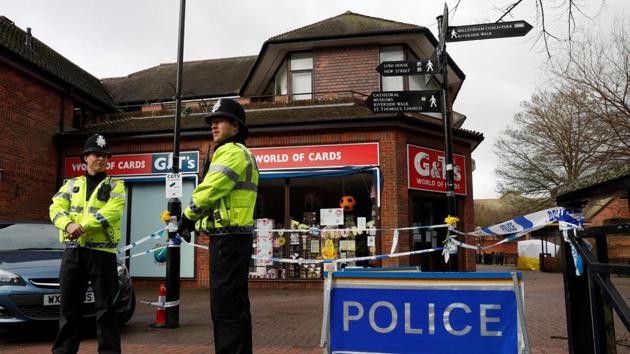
column 41, row 94
column 315, row 141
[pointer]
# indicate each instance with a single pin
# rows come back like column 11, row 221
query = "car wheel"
column 124, row 317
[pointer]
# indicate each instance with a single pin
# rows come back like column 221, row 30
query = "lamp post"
column 174, row 204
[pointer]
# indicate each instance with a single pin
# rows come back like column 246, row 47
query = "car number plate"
column 55, row 299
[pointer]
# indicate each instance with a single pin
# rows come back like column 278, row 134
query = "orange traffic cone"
column 160, row 314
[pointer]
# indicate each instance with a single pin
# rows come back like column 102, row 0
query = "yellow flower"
column 166, row 216
column 451, row 220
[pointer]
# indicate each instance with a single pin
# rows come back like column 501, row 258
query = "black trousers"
column 78, row 266
column 230, row 256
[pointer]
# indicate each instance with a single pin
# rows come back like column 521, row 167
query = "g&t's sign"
column 426, row 170
column 138, row 164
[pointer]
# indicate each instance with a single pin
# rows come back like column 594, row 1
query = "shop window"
column 301, row 71
column 307, row 197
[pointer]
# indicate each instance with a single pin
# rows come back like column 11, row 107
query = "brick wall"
column 30, row 113
column 615, row 209
column 346, row 69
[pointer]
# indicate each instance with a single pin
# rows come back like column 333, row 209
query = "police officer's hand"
column 184, row 227
column 74, row 230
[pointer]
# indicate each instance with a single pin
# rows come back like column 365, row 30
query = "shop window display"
column 329, row 216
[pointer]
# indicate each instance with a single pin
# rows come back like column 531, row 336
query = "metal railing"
column 591, row 297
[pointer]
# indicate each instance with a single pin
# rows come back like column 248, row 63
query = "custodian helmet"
column 227, row 107
column 96, row 143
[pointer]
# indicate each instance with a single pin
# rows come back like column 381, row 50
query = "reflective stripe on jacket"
column 99, row 219
column 224, row 201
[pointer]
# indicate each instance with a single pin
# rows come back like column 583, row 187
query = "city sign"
column 409, row 67
column 405, row 101
column 487, row 31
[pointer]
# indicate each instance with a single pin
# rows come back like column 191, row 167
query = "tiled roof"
column 202, row 78
column 589, row 184
column 346, row 24
column 39, row 55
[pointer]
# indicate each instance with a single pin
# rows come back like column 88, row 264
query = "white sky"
column 118, row 37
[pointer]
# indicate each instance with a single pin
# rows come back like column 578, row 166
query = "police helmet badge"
column 100, row 141
column 216, row 106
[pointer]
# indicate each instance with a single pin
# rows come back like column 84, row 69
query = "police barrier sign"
column 423, row 313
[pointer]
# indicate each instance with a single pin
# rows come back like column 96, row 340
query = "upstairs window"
column 301, row 75
column 280, row 81
column 392, row 83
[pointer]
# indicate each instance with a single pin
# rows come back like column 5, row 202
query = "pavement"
column 289, row 322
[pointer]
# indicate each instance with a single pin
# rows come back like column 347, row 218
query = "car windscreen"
column 29, row 236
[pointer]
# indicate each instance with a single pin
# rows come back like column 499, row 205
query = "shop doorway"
column 145, row 203
column 427, row 209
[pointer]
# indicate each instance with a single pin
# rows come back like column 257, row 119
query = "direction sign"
column 405, row 101
column 409, row 67
column 487, row 31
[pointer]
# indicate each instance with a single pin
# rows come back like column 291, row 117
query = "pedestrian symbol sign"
column 405, row 101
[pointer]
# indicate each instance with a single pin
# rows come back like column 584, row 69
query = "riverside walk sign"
column 405, row 101
column 487, row 31
column 418, row 312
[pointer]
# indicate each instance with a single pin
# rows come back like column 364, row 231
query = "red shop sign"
column 316, row 156
column 427, row 170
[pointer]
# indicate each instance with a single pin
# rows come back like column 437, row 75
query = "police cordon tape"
column 160, row 304
column 514, row 228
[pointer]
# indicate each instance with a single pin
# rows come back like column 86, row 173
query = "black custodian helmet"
column 227, row 107
column 95, row 143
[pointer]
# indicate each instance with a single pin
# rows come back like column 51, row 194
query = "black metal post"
column 174, row 204
column 451, row 206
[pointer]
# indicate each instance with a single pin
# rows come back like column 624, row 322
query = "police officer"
column 87, row 210
column 223, row 207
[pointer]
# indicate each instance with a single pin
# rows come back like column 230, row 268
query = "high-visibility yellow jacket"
column 224, row 202
column 100, row 219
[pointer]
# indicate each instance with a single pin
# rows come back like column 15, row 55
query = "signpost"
column 409, row 67
column 487, row 31
column 405, row 101
column 438, row 101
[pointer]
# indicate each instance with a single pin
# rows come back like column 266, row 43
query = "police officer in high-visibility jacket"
column 223, row 207
column 87, row 210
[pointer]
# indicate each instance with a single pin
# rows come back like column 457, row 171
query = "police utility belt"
column 215, row 218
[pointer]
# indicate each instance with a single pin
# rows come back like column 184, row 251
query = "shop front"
column 329, row 194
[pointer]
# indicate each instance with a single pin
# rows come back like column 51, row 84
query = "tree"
column 578, row 125
column 562, row 12
column 600, row 69
column 554, row 141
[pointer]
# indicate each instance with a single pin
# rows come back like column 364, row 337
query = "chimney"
column 28, row 40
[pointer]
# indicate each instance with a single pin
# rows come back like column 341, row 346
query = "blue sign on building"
column 403, row 319
column 163, row 162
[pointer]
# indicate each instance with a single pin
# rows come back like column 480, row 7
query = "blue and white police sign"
column 423, row 313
